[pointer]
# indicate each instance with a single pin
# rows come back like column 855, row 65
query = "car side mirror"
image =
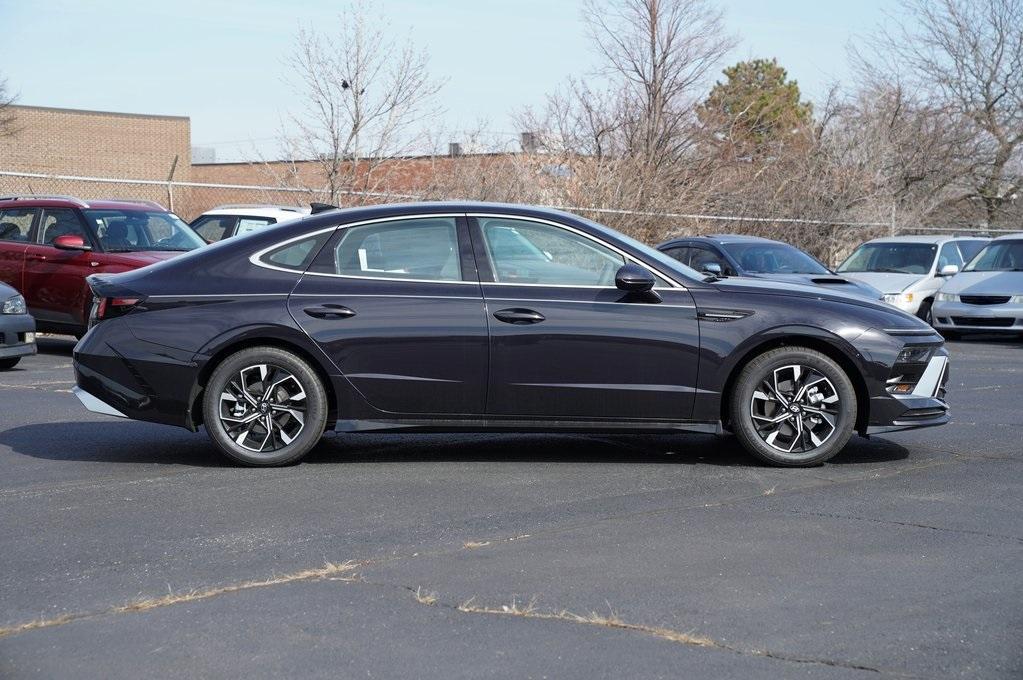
column 712, row 269
column 634, row 279
column 70, row 242
column 949, row 270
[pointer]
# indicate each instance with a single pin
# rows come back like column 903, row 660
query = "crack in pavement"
column 914, row 525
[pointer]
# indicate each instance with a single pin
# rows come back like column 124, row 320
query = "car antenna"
column 321, row 207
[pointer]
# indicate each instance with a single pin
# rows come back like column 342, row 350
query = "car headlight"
column 15, row 305
column 948, row 297
column 896, row 298
column 1017, row 299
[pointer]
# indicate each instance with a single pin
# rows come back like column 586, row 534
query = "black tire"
column 924, row 312
column 237, row 390
column 7, row 364
column 826, row 410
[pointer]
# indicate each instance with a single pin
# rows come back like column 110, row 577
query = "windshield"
column 125, row 231
column 891, row 258
column 1002, row 256
column 773, row 258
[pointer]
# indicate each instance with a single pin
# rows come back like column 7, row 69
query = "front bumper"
column 17, row 335
column 1004, row 318
column 924, row 407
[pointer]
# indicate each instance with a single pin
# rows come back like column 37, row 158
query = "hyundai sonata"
column 484, row 317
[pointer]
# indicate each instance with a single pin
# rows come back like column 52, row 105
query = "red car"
column 49, row 244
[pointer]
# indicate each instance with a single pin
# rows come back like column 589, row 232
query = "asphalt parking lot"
column 129, row 549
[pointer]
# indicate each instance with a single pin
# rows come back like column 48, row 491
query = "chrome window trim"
column 627, row 257
column 255, row 257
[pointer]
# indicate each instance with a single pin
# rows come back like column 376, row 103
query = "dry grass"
column 334, row 572
column 611, row 620
column 35, row 625
column 425, row 596
column 329, row 570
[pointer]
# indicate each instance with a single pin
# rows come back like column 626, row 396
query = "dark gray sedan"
column 17, row 328
column 760, row 258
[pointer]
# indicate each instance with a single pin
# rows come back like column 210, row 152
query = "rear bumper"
column 117, row 374
column 952, row 316
column 95, row 405
column 17, row 335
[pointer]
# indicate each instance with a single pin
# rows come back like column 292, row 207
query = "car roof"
column 721, row 239
column 281, row 212
column 41, row 201
column 927, row 238
column 1011, row 237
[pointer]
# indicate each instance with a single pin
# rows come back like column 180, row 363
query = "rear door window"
column 16, row 224
column 247, row 224
column 418, row 249
column 213, row 228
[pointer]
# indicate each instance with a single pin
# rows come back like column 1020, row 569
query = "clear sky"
column 221, row 61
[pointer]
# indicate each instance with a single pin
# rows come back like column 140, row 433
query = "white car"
column 988, row 295
column 226, row 221
column 909, row 270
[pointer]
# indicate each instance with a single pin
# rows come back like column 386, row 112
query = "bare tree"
column 362, row 95
column 7, row 118
column 966, row 57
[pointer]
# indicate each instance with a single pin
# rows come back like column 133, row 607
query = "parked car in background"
column 490, row 317
column 909, row 270
column 987, row 295
column 226, row 221
column 17, row 328
column 760, row 258
column 49, row 244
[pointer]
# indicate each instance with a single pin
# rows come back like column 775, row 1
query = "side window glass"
column 969, row 249
column 421, row 248
column 532, row 252
column 16, row 224
column 949, row 255
column 296, row 256
column 60, row 222
column 247, row 224
column 680, row 253
column 213, row 228
column 703, row 256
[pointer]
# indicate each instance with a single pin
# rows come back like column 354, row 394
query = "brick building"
column 97, row 144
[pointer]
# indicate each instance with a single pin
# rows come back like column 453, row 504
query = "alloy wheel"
column 263, row 408
column 795, row 409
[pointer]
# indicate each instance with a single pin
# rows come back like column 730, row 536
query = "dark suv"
column 49, row 244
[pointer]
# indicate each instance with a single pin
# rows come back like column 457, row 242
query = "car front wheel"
column 264, row 406
column 793, row 406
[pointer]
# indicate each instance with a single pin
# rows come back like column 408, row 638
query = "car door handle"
column 36, row 257
column 519, row 316
column 330, row 312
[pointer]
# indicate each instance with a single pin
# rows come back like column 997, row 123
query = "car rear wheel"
column 6, row 364
column 793, row 406
column 264, row 406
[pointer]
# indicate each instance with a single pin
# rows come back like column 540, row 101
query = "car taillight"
column 111, row 307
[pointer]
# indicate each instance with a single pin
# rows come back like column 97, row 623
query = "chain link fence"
column 190, row 199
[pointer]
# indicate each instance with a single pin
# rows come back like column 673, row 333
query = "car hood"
column 898, row 318
column 985, row 283
column 834, row 282
column 884, row 281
